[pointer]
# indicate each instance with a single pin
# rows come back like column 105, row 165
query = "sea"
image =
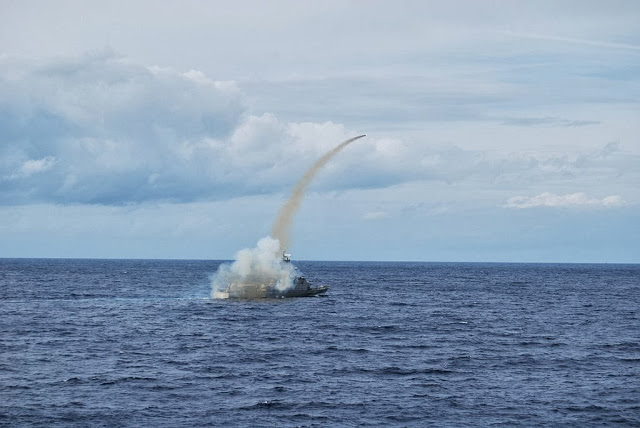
column 140, row 343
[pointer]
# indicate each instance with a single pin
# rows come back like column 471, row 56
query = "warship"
column 261, row 288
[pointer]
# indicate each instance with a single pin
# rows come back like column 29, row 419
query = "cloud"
column 559, row 201
column 33, row 166
column 96, row 128
column 101, row 129
column 571, row 40
column 374, row 215
column 548, row 121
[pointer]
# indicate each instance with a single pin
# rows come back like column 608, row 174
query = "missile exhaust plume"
column 281, row 229
column 259, row 269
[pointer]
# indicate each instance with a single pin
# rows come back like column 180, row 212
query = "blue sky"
column 502, row 131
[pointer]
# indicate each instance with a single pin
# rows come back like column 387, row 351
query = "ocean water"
column 140, row 343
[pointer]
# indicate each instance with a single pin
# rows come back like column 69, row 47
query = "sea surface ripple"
column 140, row 343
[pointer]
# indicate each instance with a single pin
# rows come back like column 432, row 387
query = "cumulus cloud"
column 570, row 200
column 102, row 129
column 98, row 127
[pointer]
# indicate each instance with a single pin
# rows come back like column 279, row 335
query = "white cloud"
column 558, row 201
column 33, row 166
column 571, row 40
column 374, row 215
column 102, row 129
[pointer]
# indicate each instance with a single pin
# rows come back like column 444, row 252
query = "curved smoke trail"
column 281, row 229
column 256, row 268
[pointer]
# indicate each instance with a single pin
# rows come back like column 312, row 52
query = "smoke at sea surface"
column 253, row 267
column 261, row 266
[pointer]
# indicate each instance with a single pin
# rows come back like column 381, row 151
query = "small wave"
column 621, row 346
column 408, row 372
column 268, row 404
column 165, row 387
column 629, row 359
column 376, row 328
column 22, row 387
column 396, row 371
column 129, row 379
column 588, row 408
column 334, row 348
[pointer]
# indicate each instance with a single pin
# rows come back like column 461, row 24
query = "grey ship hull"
column 266, row 289
column 301, row 288
column 306, row 292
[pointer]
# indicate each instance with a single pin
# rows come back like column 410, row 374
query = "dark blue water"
column 139, row 343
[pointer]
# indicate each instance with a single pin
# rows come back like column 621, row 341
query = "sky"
column 496, row 131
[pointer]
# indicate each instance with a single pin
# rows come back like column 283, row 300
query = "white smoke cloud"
column 251, row 269
column 570, row 200
column 256, row 271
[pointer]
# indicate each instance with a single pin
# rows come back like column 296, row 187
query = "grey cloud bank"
column 101, row 129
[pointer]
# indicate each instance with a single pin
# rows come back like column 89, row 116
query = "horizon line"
column 328, row 261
